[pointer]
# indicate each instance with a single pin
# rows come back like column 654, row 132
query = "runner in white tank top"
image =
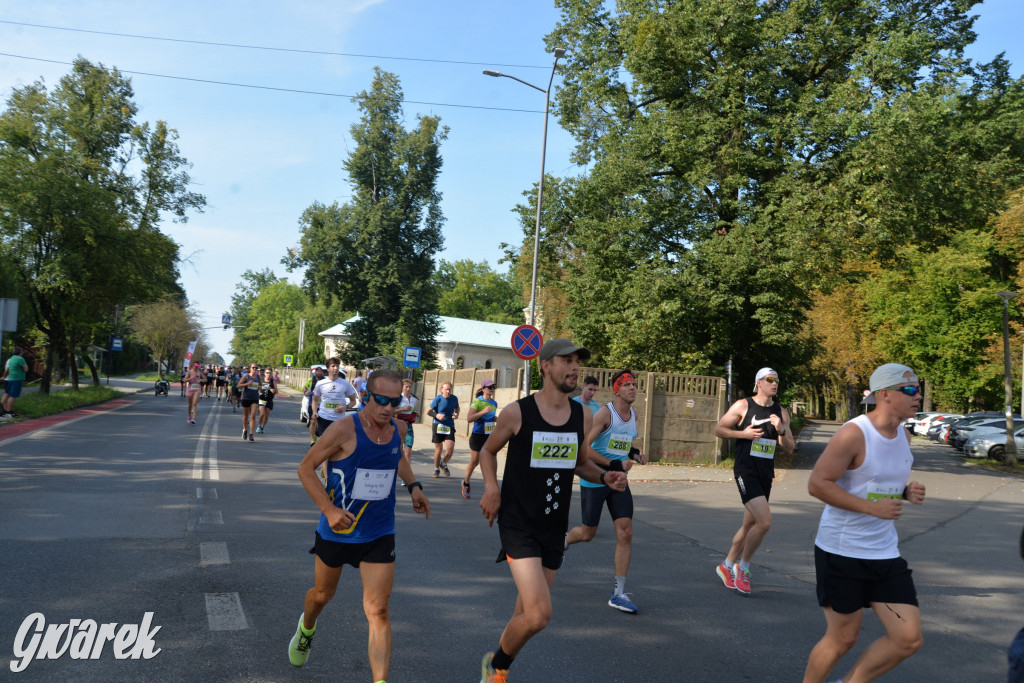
column 862, row 478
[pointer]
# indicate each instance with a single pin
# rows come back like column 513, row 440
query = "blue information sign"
column 116, row 344
column 526, row 342
column 412, row 357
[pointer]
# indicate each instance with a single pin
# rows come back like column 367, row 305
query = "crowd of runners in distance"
column 250, row 388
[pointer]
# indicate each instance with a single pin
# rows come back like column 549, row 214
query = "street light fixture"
column 1011, row 445
column 559, row 53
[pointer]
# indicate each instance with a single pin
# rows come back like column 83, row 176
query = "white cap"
column 890, row 375
column 762, row 373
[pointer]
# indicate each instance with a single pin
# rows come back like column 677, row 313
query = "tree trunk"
column 69, row 352
column 92, row 367
column 51, row 367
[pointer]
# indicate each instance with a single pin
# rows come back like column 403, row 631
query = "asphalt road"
column 133, row 510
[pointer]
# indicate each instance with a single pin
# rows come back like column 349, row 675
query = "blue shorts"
column 12, row 387
column 408, row 435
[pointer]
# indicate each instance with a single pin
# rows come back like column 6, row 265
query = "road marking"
column 211, row 517
column 213, row 553
column 204, row 437
column 224, row 612
column 212, row 454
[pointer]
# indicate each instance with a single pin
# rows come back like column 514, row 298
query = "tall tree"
column 471, row 289
column 375, row 253
column 83, row 188
column 166, row 327
column 738, row 153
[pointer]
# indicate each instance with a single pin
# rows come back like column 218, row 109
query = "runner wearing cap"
column 611, row 437
column 545, row 433
column 482, row 415
column 760, row 425
column 862, row 477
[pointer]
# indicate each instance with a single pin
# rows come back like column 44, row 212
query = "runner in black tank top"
column 760, row 427
column 545, row 433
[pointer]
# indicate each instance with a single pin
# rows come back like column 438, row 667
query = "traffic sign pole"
column 526, row 343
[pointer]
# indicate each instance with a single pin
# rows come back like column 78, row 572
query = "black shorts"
column 518, row 544
column 269, row 405
column 246, row 402
column 440, row 438
column 236, row 392
column 334, row 554
column 592, row 500
column 222, row 383
column 322, row 425
column 477, row 441
column 751, row 486
column 847, row 584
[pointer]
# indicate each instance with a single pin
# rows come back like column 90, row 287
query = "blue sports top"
column 485, row 424
column 445, row 406
column 614, row 443
column 364, row 484
column 592, row 404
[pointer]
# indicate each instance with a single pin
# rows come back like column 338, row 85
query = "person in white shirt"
column 331, row 398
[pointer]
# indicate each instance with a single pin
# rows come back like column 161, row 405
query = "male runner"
column 331, row 397
column 586, row 396
column 759, row 425
column 611, row 437
column 357, row 520
column 545, row 435
column 444, row 409
column 862, row 478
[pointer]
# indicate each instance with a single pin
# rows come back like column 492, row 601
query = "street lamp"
column 559, row 53
column 1011, row 445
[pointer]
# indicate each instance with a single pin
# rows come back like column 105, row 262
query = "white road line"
column 197, row 461
column 224, row 612
column 212, row 454
column 211, row 517
column 213, row 553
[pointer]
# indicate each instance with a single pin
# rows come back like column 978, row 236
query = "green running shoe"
column 298, row 649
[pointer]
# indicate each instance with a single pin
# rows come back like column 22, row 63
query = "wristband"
column 782, row 433
column 904, row 494
column 633, row 452
column 615, row 466
column 413, row 484
column 602, row 478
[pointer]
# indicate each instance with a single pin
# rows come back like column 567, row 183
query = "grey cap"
column 762, row 373
column 561, row 347
column 890, row 375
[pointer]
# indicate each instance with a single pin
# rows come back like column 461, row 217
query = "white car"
column 921, row 426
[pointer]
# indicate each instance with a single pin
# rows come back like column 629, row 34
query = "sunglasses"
column 909, row 391
column 771, row 380
column 384, row 400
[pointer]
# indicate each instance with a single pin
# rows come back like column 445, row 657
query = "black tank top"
column 758, row 458
column 536, row 486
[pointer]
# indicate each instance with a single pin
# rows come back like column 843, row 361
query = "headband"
column 622, row 379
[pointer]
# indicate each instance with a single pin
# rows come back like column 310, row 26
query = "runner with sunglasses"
column 249, row 384
column 268, row 390
column 760, row 426
column 862, row 477
column 357, row 521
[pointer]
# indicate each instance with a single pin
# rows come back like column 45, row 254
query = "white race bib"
column 618, row 444
column 554, row 450
column 331, row 406
column 263, row 402
column 372, row 484
column 443, row 429
column 762, row 448
column 488, row 427
column 877, row 492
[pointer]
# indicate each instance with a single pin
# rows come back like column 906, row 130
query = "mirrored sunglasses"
column 384, row 400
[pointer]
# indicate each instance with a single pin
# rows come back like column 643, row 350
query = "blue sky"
column 261, row 156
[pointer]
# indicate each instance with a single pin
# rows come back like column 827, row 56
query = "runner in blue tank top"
column 611, row 437
column 545, row 433
column 357, row 521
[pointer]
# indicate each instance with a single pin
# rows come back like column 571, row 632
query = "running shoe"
column 622, row 603
column 298, row 649
column 437, row 472
column 488, row 674
column 193, row 421
column 743, row 581
column 724, row 572
column 251, row 437
column 259, row 430
column 447, row 472
column 465, row 489
column 245, row 435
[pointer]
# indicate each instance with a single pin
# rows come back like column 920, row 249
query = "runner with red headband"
column 611, row 438
column 759, row 425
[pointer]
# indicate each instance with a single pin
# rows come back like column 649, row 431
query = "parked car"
column 921, row 426
column 992, row 445
column 933, row 430
column 964, row 434
column 975, row 419
column 911, row 422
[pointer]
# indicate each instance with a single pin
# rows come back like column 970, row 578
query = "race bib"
column 373, row 484
column 619, row 444
column 193, row 386
column 263, row 401
column 762, row 448
column 554, row 450
column 444, row 429
column 331, row 406
column 877, row 492
column 488, row 427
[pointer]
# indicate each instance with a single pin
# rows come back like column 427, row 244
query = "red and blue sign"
column 526, row 342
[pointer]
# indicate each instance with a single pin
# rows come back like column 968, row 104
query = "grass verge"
column 40, row 405
column 995, row 465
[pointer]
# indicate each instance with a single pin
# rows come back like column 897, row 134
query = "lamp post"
column 1011, row 445
column 559, row 53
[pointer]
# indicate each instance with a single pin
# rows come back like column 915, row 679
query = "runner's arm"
column 600, row 421
column 419, row 499
column 843, row 452
column 726, row 427
column 506, row 426
column 339, row 439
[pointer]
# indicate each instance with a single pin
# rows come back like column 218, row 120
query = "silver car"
column 992, row 445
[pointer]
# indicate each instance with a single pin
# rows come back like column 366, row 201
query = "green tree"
column 274, row 323
column 166, row 327
column 739, row 153
column 83, row 188
column 250, row 285
column 375, row 254
column 472, row 290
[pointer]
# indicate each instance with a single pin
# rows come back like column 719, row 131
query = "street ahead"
column 133, row 510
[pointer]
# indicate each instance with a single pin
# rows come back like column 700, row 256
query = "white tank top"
column 883, row 474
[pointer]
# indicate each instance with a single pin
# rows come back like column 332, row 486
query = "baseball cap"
column 762, row 373
column 891, row 374
column 487, row 383
column 561, row 347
